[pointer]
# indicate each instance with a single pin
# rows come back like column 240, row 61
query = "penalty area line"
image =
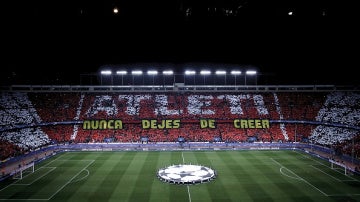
column 300, row 177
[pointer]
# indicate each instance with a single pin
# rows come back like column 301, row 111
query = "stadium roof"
column 299, row 42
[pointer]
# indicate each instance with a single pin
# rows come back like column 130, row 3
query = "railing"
column 179, row 88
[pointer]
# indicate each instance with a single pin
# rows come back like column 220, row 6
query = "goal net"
column 341, row 166
column 21, row 171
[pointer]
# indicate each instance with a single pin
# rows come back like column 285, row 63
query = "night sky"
column 46, row 42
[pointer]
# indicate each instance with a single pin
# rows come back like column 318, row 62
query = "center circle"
column 186, row 174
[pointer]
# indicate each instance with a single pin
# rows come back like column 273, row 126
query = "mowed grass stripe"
column 247, row 175
column 213, row 190
column 294, row 165
column 37, row 190
column 62, row 176
column 279, row 186
column 89, row 185
column 198, row 192
column 227, row 186
column 178, row 192
column 230, row 177
column 349, row 184
column 333, row 179
column 128, row 181
column 307, row 182
column 49, row 184
column 59, row 178
column 243, row 176
column 111, row 173
column 146, row 176
column 160, row 191
column 81, row 189
column 312, row 185
column 101, row 177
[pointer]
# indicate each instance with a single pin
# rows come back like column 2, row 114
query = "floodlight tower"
column 235, row 73
column 135, row 73
column 168, row 73
column 251, row 73
column 190, row 73
column 106, row 73
column 122, row 73
column 205, row 73
column 221, row 72
column 152, row 73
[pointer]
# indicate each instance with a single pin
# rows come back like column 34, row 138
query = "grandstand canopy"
column 291, row 42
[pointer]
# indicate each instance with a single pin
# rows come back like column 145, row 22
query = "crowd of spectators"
column 18, row 121
column 32, row 120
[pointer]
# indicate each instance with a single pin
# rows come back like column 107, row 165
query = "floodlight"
column 136, row 72
column 152, row 72
column 106, row 72
column 190, row 72
column 168, row 72
column 250, row 72
column 220, row 72
column 235, row 72
column 121, row 72
column 205, row 72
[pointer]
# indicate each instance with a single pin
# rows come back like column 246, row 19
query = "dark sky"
column 44, row 41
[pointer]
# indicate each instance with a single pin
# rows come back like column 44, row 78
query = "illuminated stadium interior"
column 245, row 99
column 40, row 123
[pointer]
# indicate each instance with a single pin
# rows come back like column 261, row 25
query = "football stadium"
column 174, row 138
column 179, row 101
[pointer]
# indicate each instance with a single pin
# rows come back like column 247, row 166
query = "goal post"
column 335, row 164
column 18, row 173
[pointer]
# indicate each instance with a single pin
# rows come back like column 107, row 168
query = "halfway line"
column 188, row 190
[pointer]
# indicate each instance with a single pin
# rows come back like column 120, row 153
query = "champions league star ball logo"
column 186, row 174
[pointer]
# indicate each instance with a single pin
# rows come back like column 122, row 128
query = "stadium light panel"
column 168, row 72
column 250, row 72
column 190, row 72
column 106, row 72
column 121, row 72
column 235, row 72
column 136, row 72
column 152, row 72
column 205, row 72
column 220, row 72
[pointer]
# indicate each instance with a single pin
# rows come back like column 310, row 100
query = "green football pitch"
column 244, row 175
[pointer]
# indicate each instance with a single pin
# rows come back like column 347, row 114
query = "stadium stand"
column 34, row 119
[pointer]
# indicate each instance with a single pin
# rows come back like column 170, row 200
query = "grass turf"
column 131, row 176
